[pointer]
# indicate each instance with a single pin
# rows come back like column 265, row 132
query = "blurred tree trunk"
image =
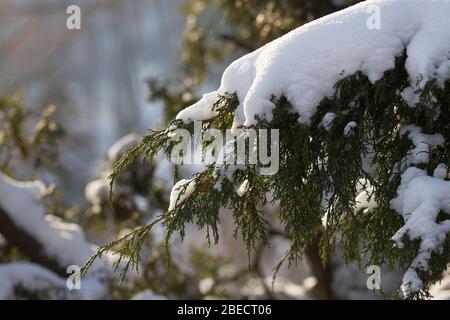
column 27, row 244
column 323, row 273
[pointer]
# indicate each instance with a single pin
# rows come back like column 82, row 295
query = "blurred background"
column 95, row 76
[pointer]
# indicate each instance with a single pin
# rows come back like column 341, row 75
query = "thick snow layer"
column 35, row 279
column 30, row 276
column 63, row 241
column 419, row 200
column 147, row 295
column 306, row 63
column 441, row 290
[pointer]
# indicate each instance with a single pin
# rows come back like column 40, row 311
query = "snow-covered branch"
column 45, row 239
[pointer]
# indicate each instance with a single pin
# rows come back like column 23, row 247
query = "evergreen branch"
column 128, row 250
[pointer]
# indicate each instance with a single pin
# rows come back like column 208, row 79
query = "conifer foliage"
column 314, row 162
column 353, row 177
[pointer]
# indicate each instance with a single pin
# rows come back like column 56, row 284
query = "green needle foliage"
column 316, row 185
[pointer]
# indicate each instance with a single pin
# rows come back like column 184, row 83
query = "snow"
column 181, row 191
column 243, row 188
column 422, row 144
column 147, row 295
column 350, row 282
column 349, row 127
column 441, row 171
column 419, row 200
column 282, row 289
column 205, row 285
column 34, row 278
column 327, row 120
column 410, row 96
column 305, row 64
column 218, row 186
column 141, row 203
column 441, row 290
column 97, row 191
column 30, row 276
column 64, row 242
column 365, row 198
